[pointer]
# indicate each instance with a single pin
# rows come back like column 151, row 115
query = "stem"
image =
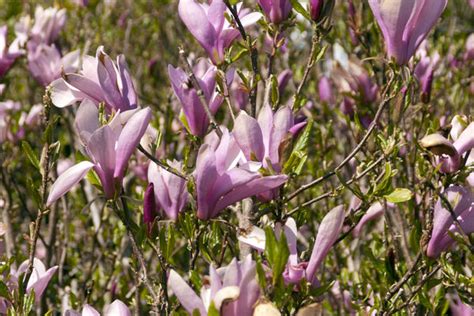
column 139, row 254
column 309, row 65
column 253, row 58
column 42, row 210
column 199, row 91
column 349, row 157
column 339, row 188
column 162, row 164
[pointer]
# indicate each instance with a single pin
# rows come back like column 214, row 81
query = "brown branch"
column 309, row 65
column 253, row 58
column 349, row 157
column 42, row 210
column 339, row 188
column 162, row 164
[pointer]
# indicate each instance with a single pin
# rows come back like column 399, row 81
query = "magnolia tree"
column 271, row 157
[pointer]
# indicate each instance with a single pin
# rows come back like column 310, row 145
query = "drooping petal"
column 67, row 180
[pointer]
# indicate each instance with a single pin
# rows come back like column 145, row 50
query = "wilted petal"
column 67, row 180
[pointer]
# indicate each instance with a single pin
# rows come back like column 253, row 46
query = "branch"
column 253, row 58
column 309, row 65
column 162, row 164
column 42, row 210
column 349, row 157
column 339, row 188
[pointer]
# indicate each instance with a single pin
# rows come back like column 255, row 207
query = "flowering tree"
column 222, row 157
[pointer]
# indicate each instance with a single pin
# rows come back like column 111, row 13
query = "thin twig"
column 45, row 166
column 199, row 91
column 253, row 58
column 339, row 188
column 412, row 271
column 349, row 157
column 138, row 253
column 309, row 65
column 416, row 290
column 162, row 164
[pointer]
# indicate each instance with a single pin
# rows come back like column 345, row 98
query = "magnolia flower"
column 405, row 24
column 326, row 94
column 352, row 78
column 450, row 154
column 37, row 282
column 48, row 23
column 46, row 64
column 8, row 55
column 169, row 190
column 295, row 271
column 109, row 148
column 260, row 138
column 233, row 290
column 223, row 177
column 424, row 72
column 101, row 80
column 197, row 121
column 207, row 23
column 469, row 54
column 117, row 308
column 375, row 211
column 462, row 202
column 276, row 11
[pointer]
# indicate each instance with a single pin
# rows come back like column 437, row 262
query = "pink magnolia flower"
column 109, row 147
column 469, row 54
column 170, row 192
column 233, row 290
column 101, row 80
column 117, row 308
column 224, row 177
column 424, row 72
column 8, row 55
column 405, row 24
column 46, row 64
column 48, row 24
column 375, row 211
column 295, row 271
column 461, row 145
column 326, row 94
column 260, row 138
column 197, row 121
column 207, row 23
column 276, row 11
column 462, row 202
column 37, row 282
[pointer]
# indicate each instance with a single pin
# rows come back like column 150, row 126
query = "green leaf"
column 212, row 310
column 30, row 154
column 399, row 195
column 299, row 8
column 277, row 253
column 4, row 291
